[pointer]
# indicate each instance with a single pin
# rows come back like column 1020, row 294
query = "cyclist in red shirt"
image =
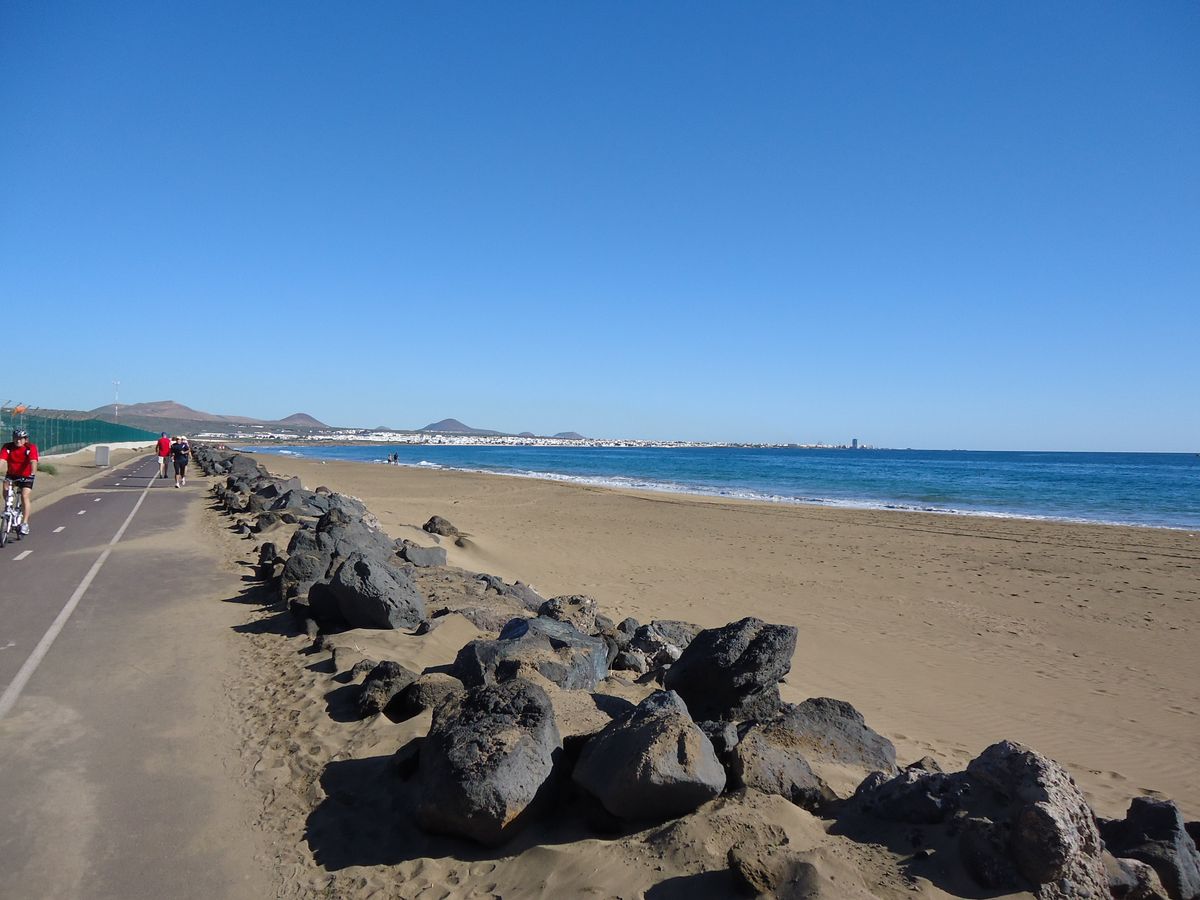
column 163, row 448
column 22, row 459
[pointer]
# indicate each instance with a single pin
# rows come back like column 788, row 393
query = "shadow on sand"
column 930, row 852
column 368, row 818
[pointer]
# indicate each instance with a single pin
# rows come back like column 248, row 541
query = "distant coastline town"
column 168, row 416
column 434, row 438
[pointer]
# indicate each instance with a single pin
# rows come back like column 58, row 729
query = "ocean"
column 1148, row 489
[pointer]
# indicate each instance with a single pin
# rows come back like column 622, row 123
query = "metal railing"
column 64, row 434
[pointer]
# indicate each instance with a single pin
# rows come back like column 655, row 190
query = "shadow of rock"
column 368, row 818
column 702, row 884
column 255, row 593
column 342, row 703
column 282, row 623
column 326, row 667
column 616, row 707
column 926, row 851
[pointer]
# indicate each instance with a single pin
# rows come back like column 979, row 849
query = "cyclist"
column 22, row 459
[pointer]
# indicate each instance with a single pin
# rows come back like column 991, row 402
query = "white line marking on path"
column 97, row 500
column 59, row 528
column 20, row 556
column 11, row 693
column 81, row 512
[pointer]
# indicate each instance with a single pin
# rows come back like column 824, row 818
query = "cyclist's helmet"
column 19, row 433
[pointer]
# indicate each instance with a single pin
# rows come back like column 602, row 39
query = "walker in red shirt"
column 164, row 450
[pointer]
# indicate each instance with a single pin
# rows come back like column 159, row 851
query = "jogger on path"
column 181, row 452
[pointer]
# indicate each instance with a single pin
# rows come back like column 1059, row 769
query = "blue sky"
column 930, row 225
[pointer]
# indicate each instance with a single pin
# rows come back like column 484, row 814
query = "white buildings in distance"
column 430, row 438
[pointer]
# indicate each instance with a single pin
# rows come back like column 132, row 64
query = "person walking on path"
column 163, row 448
column 22, row 458
column 181, row 452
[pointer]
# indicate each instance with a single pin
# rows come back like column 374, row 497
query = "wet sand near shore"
column 947, row 632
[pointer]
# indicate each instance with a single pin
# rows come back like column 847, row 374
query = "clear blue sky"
column 930, row 225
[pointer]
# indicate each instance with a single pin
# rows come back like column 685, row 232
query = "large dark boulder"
column 576, row 609
column 344, row 507
column 833, row 732
column 678, row 633
column 624, row 632
column 1052, row 832
column 654, row 763
column 345, row 533
column 524, row 594
column 1019, row 821
column 518, row 591
column 1130, row 879
column 240, row 466
column 734, row 672
column 1153, row 832
column 653, row 646
column 303, row 569
column 914, row 796
column 315, row 552
column 372, row 594
column 386, row 681
column 487, row 761
column 296, row 499
column 277, row 487
column 985, row 852
column 555, row 650
column 768, row 759
column 630, row 661
column 438, row 525
column 422, row 557
column 320, row 604
column 429, row 691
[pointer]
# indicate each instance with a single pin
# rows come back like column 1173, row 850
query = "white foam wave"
column 621, row 482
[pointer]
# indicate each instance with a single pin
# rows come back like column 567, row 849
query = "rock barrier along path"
column 113, row 745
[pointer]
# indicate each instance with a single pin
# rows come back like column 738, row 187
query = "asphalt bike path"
column 115, row 747
column 39, row 572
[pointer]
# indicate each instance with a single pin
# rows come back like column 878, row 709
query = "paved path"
column 117, row 761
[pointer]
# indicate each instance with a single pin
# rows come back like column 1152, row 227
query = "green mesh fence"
column 54, row 434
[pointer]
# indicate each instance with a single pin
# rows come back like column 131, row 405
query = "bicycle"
column 13, row 515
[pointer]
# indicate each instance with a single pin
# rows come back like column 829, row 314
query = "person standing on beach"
column 181, row 452
column 22, row 458
column 163, row 448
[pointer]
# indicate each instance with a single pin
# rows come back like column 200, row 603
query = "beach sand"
column 947, row 632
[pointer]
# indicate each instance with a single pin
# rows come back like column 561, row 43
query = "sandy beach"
column 947, row 632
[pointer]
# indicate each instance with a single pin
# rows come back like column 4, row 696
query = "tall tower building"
column 854, row 444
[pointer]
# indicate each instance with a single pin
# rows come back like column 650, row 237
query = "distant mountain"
column 526, row 434
column 302, row 420
column 453, row 426
column 570, row 436
column 167, row 415
column 166, row 409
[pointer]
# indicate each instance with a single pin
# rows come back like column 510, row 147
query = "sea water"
column 1149, row 489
